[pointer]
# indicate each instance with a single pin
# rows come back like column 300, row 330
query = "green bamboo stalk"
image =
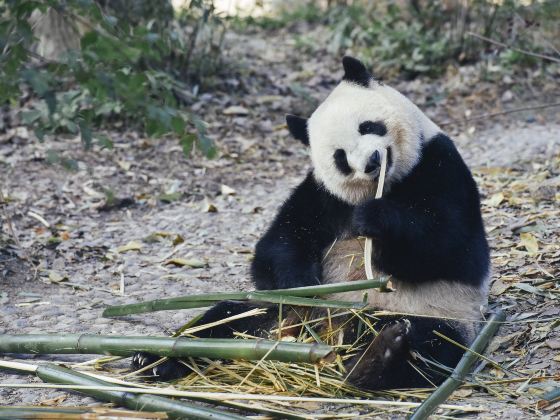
column 139, row 402
column 213, row 348
column 29, row 368
column 462, row 369
column 208, row 299
column 302, row 301
column 66, row 413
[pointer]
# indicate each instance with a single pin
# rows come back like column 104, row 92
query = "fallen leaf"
column 499, row 287
column 225, row 190
column 495, row 200
column 131, row 246
column 529, row 242
column 170, row 197
column 124, row 164
column 54, row 277
column 462, row 393
column 190, row 262
column 208, row 207
column 178, row 240
column 553, row 343
column 236, row 110
column 56, row 401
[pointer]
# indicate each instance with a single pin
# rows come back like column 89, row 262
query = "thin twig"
column 9, row 219
column 519, row 50
column 497, row 114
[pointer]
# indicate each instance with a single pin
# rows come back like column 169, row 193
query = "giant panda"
column 427, row 231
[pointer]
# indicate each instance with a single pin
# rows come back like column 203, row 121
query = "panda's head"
column 349, row 132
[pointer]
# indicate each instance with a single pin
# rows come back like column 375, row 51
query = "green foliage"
column 422, row 37
column 414, row 38
column 130, row 68
column 301, row 11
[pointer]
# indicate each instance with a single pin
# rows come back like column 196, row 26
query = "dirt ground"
column 73, row 255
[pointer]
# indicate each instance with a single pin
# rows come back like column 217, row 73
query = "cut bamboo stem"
column 212, row 348
column 209, row 299
column 368, row 246
column 140, row 402
column 443, row 392
column 301, row 301
column 74, row 413
column 218, row 397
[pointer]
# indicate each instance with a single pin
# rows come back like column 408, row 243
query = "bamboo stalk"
column 302, row 301
column 462, row 369
column 368, row 246
column 213, row 348
column 208, row 299
column 139, row 402
column 73, row 413
column 220, row 396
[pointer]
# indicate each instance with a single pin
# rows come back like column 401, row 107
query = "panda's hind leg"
column 406, row 354
column 258, row 325
column 372, row 368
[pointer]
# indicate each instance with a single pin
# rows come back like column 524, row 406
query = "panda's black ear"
column 298, row 128
column 355, row 71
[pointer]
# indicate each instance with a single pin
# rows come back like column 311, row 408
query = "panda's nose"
column 373, row 162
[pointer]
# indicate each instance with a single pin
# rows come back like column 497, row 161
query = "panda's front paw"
column 370, row 218
column 167, row 370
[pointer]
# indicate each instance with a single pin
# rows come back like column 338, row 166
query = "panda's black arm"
column 429, row 226
column 291, row 251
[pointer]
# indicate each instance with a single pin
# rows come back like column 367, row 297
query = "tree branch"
column 496, row 114
column 519, row 50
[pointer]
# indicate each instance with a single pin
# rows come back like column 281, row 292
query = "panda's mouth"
column 377, row 172
column 372, row 169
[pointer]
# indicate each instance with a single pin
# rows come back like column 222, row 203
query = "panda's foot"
column 372, row 368
column 167, row 370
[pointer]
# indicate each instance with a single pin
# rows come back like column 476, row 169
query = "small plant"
column 110, row 68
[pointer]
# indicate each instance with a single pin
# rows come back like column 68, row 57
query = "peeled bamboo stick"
column 140, row 402
column 368, row 246
column 443, row 392
column 213, row 348
column 208, row 299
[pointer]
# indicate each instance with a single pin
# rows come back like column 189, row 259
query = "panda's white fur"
column 443, row 299
column 351, row 104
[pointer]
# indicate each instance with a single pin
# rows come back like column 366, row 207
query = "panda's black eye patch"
column 372, row 127
column 341, row 162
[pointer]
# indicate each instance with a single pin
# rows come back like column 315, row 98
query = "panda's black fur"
column 427, row 228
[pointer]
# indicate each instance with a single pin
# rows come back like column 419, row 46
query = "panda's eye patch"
column 341, row 162
column 372, row 127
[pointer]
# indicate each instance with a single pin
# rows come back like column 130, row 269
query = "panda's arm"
column 291, row 251
column 429, row 227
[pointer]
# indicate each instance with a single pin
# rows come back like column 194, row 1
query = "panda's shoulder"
column 440, row 171
column 440, row 146
column 439, row 156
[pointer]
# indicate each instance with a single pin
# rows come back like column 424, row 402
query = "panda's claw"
column 165, row 371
